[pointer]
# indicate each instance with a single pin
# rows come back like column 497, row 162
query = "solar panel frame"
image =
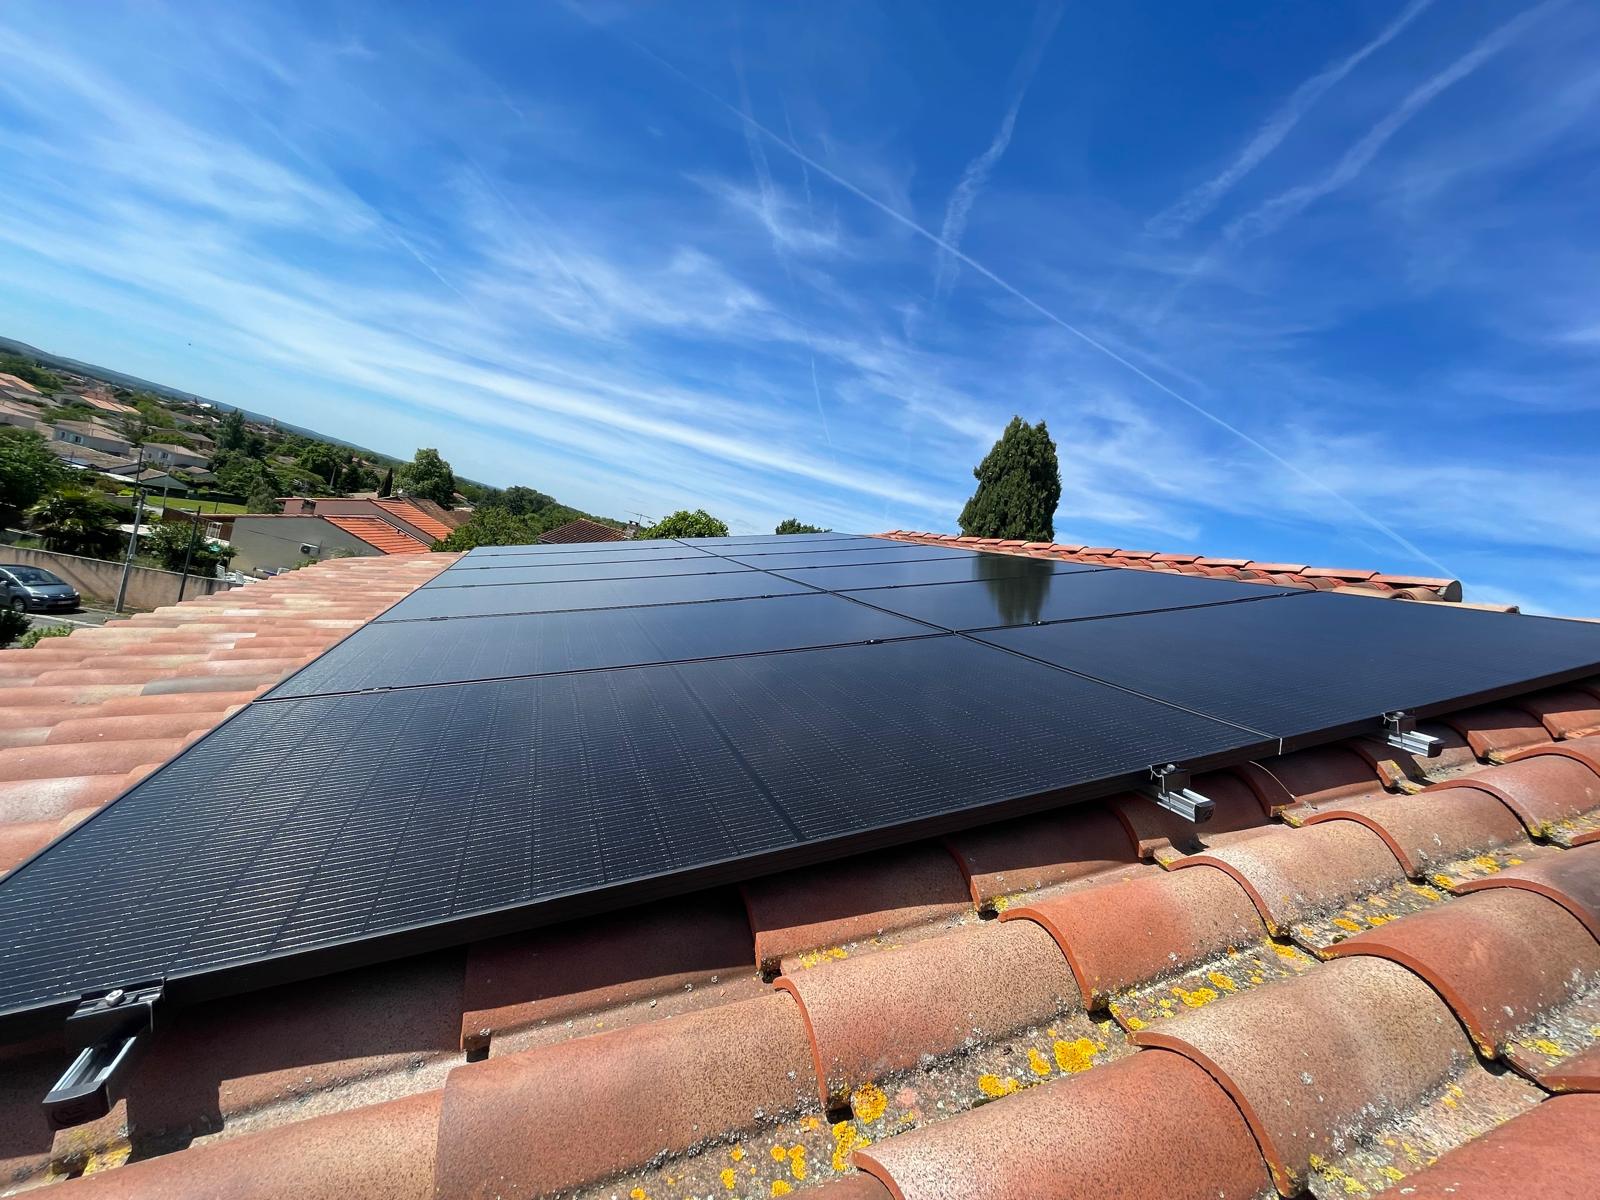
column 1224, row 659
column 709, row 564
column 506, row 599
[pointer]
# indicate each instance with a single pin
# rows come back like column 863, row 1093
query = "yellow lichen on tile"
column 1287, row 952
column 994, row 1086
column 1547, row 1048
column 729, row 1179
column 779, row 1154
column 1037, row 1062
column 737, row 1154
column 846, row 1139
column 797, row 1161
column 1076, row 1056
column 1223, row 982
column 780, row 1188
column 1198, row 998
column 1346, row 924
column 868, row 1102
column 815, row 958
column 638, row 1193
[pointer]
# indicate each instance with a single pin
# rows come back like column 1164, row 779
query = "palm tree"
column 76, row 523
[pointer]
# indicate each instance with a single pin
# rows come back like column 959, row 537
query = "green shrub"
column 39, row 632
column 12, row 626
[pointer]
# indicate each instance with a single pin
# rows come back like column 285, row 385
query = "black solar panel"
column 855, row 556
column 386, row 821
column 429, row 604
column 944, row 570
column 582, row 727
column 397, row 654
column 463, row 576
column 632, row 546
column 1038, row 597
column 1309, row 666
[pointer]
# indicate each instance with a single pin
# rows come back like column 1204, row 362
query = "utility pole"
column 127, row 561
column 188, row 555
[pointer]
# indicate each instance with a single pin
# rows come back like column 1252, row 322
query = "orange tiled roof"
column 415, row 515
column 375, row 531
column 581, row 530
column 1363, row 964
column 1328, row 579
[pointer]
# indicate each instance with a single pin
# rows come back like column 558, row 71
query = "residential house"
column 103, row 403
column 173, row 456
column 92, row 435
column 23, row 416
column 278, row 541
column 419, row 519
column 581, row 530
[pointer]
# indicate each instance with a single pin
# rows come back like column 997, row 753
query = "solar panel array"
column 543, row 731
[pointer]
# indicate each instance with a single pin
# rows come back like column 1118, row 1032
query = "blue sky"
column 1305, row 281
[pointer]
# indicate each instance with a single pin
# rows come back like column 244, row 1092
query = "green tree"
column 231, row 431
column 28, row 472
column 386, row 488
column 169, row 542
column 521, row 501
column 492, row 527
column 1019, row 485
column 428, row 477
column 155, row 412
column 77, row 523
column 261, row 499
column 32, row 372
column 240, row 475
column 322, row 460
column 790, row 525
column 684, row 523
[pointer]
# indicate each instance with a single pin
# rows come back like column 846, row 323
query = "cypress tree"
column 1019, row 485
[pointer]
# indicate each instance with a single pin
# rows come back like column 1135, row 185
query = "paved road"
column 84, row 616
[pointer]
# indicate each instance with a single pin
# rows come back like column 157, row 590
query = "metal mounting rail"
column 112, row 1029
column 1169, row 788
column 1400, row 731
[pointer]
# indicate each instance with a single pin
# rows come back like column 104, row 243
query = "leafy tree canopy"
column 32, row 372
column 13, row 625
column 684, row 523
column 386, row 488
column 492, row 526
column 323, row 461
column 240, row 475
column 231, row 431
column 1019, row 485
column 428, row 477
column 790, row 525
column 154, row 411
column 77, row 523
column 520, row 501
column 169, row 542
column 28, row 471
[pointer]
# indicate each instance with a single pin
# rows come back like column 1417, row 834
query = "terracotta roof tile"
column 1165, row 837
column 415, row 515
column 1507, row 962
column 1554, row 794
column 1432, row 830
column 1565, row 714
column 1530, row 1155
column 1571, row 879
column 378, row 533
column 881, row 1014
column 1286, row 574
column 835, row 904
column 581, row 530
column 1036, row 852
column 1149, row 1125
column 1129, row 934
column 1322, row 1066
column 1497, row 729
column 578, row 1112
column 1302, row 882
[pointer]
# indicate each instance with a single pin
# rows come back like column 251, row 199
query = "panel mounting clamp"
column 1169, row 788
column 1400, row 731
column 109, row 1030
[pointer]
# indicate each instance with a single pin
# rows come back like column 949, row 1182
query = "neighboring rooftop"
column 1369, row 973
column 581, row 530
column 377, row 532
column 1284, row 574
